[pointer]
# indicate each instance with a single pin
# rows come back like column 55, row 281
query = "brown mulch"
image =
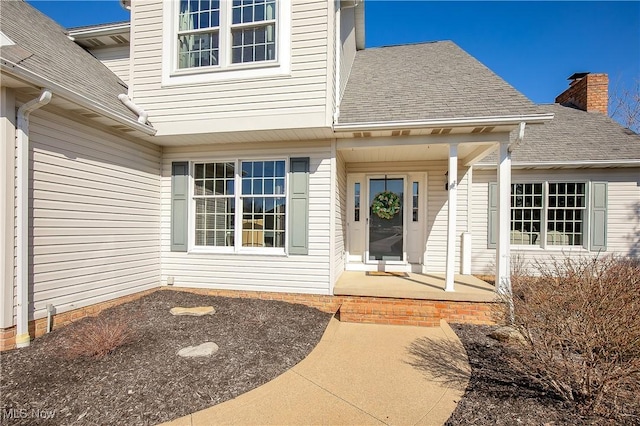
column 145, row 382
column 497, row 395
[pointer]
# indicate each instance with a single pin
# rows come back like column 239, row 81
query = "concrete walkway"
column 358, row 374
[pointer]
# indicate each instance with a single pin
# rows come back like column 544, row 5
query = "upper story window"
column 253, row 28
column 199, row 33
column 214, row 33
column 207, row 41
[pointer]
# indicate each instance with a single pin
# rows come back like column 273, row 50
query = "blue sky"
column 534, row 46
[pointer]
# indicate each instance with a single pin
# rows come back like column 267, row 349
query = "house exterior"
column 241, row 146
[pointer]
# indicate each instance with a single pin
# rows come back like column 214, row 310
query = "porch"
column 420, row 286
column 428, row 224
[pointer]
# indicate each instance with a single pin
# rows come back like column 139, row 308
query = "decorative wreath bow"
column 386, row 205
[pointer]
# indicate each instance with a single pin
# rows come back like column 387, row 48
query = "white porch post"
column 452, row 182
column 503, row 272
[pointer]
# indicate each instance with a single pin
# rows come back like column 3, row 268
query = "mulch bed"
column 145, row 382
column 496, row 395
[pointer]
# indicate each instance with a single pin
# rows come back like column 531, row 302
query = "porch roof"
column 426, row 81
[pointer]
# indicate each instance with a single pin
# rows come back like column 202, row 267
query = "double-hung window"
column 224, row 33
column 214, row 195
column 199, row 33
column 548, row 213
column 253, row 29
column 263, row 203
column 252, row 216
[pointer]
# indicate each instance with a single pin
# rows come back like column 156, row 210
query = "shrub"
column 580, row 319
column 97, row 337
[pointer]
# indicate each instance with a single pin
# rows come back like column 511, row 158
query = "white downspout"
column 519, row 136
column 22, row 212
column 142, row 114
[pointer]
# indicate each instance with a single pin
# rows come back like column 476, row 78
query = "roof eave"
column 84, row 33
column 504, row 120
column 15, row 69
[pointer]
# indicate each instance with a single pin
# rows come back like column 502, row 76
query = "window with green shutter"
column 549, row 214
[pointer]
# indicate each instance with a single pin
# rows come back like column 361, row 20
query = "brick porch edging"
column 362, row 309
column 376, row 310
column 38, row 327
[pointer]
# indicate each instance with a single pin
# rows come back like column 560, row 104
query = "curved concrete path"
column 358, row 374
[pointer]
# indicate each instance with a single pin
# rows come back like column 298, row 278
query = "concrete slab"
column 358, row 374
column 416, row 286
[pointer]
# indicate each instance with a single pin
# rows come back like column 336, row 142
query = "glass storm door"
column 386, row 241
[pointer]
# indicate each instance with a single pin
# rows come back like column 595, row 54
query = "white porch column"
column 503, row 272
column 452, row 182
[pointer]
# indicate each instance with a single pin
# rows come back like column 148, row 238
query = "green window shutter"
column 598, row 216
column 299, row 206
column 179, row 205
column 492, row 217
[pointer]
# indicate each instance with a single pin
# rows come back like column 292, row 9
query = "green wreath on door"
column 386, row 205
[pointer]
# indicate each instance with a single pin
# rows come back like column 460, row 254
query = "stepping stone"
column 196, row 312
column 205, row 349
column 505, row 334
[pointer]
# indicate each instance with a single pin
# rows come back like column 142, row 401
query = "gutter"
column 15, row 69
column 501, row 120
column 22, row 215
column 100, row 30
column 566, row 164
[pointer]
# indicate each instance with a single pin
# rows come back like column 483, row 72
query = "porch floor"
column 428, row 286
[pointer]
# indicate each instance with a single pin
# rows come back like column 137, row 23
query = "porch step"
column 426, row 313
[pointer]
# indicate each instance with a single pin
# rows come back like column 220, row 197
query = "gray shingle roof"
column 574, row 135
column 425, row 81
column 42, row 47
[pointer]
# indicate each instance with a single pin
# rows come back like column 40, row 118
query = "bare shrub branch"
column 581, row 322
column 624, row 105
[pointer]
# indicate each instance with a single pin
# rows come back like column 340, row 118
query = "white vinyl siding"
column 347, row 45
column 437, row 211
column 95, row 216
column 248, row 271
column 116, row 59
column 297, row 100
column 623, row 220
column 341, row 216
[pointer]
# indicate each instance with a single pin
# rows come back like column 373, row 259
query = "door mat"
column 387, row 274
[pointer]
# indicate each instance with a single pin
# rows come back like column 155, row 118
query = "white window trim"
column 172, row 76
column 237, row 247
column 544, row 246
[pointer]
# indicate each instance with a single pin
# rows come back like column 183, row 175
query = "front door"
column 386, row 241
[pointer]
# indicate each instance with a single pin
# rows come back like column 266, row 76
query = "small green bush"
column 580, row 318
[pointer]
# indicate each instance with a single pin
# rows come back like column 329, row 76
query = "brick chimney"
column 588, row 92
